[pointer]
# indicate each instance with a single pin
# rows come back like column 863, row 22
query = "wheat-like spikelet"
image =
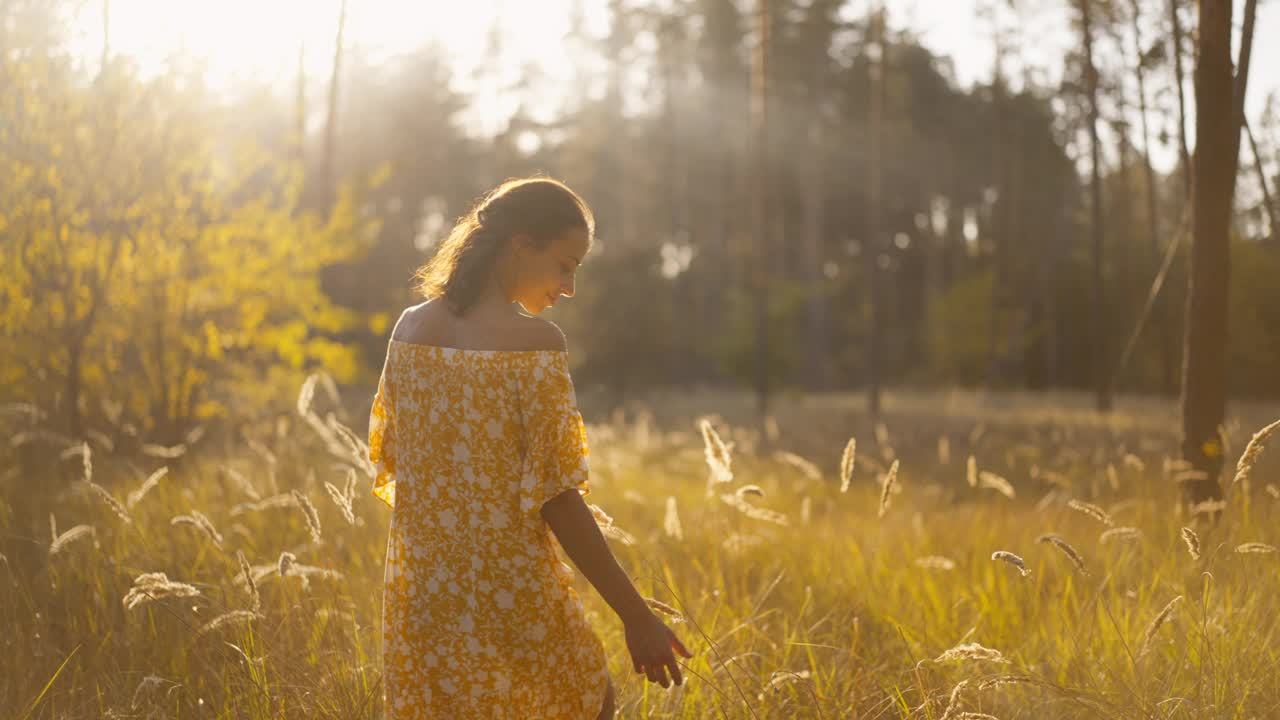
column 953, row 703
column 145, row 687
column 887, row 487
column 255, row 600
column 1156, row 624
column 605, row 523
column 718, row 458
column 806, row 509
column 1012, row 559
column 671, row 520
column 1059, row 542
column 995, row 482
column 147, row 486
column 801, row 463
column 971, row 651
column 971, row 471
column 343, row 498
column 1133, row 462
column 1252, row 451
column 739, row 502
column 1113, row 477
column 239, row 480
column 60, row 542
column 1273, row 491
column 306, row 393
column 1092, row 511
column 1190, row 476
column 944, row 450
column 1207, row 507
column 227, row 618
column 154, row 586
column 1255, row 547
column 262, row 451
column 746, row 490
column 935, row 562
column 355, row 447
column 1120, row 533
column 846, row 463
column 283, row 500
column 665, row 609
column 198, row 519
column 309, row 512
column 1192, row 540
column 285, row 563
column 164, row 451
column 101, row 438
column 110, row 500
column 999, row 680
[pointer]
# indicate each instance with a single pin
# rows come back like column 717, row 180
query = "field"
column 799, row 600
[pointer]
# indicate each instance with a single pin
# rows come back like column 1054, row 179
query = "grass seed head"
column 971, row 651
column 1059, row 542
column 1192, row 540
column 1012, row 559
column 1252, row 451
column 846, row 463
column 887, row 488
column 1120, row 533
column 1157, row 623
column 1255, row 547
column 309, row 512
column 1092, row 511
column 155, row 586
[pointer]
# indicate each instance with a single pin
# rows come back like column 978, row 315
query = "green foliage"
column 961, row 346
column 152, row 262
column 737, row 346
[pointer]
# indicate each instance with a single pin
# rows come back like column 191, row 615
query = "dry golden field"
column 1008, row 556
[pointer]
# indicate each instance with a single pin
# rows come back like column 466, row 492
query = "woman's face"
column 543, row 276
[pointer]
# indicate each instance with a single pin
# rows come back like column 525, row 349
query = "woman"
column 481, row 451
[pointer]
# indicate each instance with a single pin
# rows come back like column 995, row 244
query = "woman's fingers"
column 675, row 671
column 657, row 673
column 675, row 643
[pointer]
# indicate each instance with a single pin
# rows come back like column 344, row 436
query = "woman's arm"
column 649, row 639
column 576, row 529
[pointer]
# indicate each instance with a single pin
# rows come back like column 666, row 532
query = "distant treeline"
column 170, row 256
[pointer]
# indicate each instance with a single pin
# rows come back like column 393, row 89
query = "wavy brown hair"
column 538, row 206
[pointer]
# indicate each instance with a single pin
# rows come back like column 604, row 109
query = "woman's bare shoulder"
column 540, row 334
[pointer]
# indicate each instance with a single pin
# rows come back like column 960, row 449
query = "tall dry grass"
column 240, row 576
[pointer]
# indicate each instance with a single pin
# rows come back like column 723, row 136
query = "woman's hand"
column 651, row 643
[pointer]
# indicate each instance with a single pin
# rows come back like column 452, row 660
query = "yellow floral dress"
column 479, row 617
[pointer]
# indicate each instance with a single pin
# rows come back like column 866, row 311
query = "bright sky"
column 260, row 38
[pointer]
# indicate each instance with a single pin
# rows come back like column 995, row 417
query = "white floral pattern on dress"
column 480, row 620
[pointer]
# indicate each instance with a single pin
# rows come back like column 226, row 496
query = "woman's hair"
column 538, row 206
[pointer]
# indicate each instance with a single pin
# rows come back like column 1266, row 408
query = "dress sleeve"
column 382, row 446
column 555, row 436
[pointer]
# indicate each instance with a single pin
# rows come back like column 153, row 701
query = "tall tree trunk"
column 1182, row 105
column 328, row 177
column 1153, row 217
column 1213, row 184
column 1273, row 218
column 814, row 232
column 871, row 251
column 760, row 195
column 1100, row 326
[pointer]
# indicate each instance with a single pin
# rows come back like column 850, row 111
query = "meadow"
column 969, row 556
